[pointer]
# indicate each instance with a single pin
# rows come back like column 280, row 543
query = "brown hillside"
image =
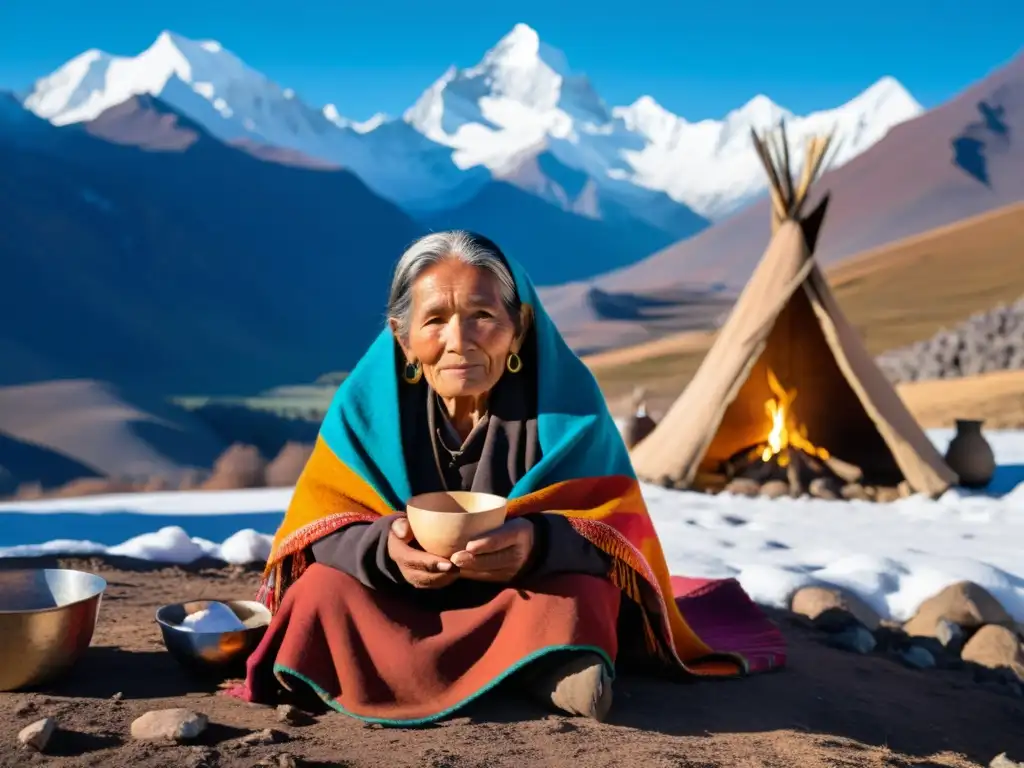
column 894, row 295
column 996, row 398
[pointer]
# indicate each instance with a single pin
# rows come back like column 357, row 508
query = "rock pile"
column 988, row 341
column 963, row 626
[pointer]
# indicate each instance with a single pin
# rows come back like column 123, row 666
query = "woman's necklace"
column 453, row 455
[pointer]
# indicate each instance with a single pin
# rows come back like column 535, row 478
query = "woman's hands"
column 498, row 556
column 419, row 568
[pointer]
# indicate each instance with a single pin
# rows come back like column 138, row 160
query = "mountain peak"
column 190, row 59
column 648, row 117
column 523, row 40
column 522, row 48
column 644, row 108
column 889, row 90
column 174, row 67
column 760, row 112
column 167, row 38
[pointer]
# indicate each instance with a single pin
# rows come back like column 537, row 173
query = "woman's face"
column 459, row 329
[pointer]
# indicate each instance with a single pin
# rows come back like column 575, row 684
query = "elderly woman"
column 472, row 388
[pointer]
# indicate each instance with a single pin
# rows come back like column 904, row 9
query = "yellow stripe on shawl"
column 328, row 496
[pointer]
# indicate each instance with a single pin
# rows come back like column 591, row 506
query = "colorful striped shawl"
column 357, row 473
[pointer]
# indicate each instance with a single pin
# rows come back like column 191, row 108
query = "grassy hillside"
column 996, row 398
column 895, row 295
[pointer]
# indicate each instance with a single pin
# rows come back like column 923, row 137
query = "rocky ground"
column 856, row 692
column 988, row 341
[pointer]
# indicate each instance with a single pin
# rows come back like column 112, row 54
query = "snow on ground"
column 893, row 555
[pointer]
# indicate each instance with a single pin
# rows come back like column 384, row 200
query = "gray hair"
column 468, row 247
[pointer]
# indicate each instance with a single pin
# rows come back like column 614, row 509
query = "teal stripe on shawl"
column 578, row 438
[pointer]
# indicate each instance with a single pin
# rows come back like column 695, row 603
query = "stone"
column 37, row 735
column 266, row 736
column 916, row 657
column 987, row 341
column 775, row 489
column 286, row 713
column 890, row 638
column 282, row 760
column 824, row 488
column 855, row 639
column 1002, row 761
column 833, row 609
column 951, row 636
column 963, row 603
column 854, row 492
column 945, row 657
column 886, row 494
column 996, row 647
column 199, row 757
column 177, row 724
column 743, row 486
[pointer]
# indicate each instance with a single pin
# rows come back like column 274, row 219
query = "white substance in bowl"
column 216, row 617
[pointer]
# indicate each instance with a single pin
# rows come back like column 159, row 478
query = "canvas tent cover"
column 787, row 320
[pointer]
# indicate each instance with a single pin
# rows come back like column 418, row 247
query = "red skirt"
column 384, row 658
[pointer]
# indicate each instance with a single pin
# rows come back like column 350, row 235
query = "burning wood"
column 786, row 462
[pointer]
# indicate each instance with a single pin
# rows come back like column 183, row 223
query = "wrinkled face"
column 459, row 329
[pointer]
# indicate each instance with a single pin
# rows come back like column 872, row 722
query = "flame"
column 785, row 431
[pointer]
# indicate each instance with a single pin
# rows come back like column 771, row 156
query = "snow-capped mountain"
column 488, row 121
column 236, row 103
column 523, row 95
column 710, row 165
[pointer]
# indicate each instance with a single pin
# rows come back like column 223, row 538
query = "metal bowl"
column 213, row 652
column 47, row 618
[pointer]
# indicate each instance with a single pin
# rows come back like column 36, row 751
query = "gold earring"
column 514, row 363
column 413, row 373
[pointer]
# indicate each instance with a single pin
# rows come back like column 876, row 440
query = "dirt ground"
column 828, row 708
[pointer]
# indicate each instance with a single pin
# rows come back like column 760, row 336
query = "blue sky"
column 699, row 59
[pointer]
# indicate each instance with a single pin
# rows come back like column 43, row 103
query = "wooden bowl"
column 443, row 523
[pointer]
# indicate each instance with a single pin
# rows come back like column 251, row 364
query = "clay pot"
column 970, row 455
column 637, row 427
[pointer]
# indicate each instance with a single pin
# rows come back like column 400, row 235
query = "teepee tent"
column 788, row 357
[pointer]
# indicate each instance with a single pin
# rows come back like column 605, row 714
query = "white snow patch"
column 892, row 555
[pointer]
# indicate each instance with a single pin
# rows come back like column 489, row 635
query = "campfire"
column 787, row 463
